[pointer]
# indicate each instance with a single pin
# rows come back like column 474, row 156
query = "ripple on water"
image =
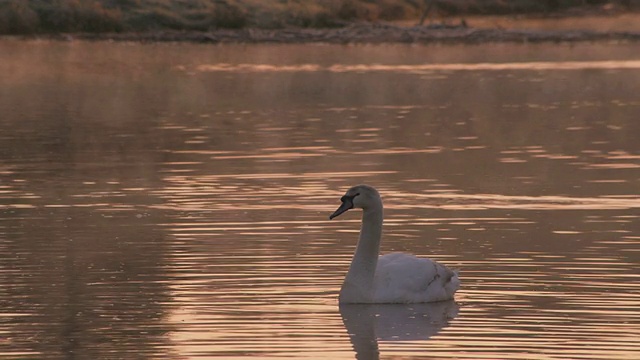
column 144, row 220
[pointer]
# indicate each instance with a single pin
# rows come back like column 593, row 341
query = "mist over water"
column 172, row 200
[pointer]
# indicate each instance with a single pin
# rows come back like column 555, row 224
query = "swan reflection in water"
column 367, row 324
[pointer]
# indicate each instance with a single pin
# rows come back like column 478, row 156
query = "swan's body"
column 392, row 278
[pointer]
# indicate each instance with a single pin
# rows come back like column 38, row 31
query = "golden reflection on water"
column 191, row 220
column 361, row 68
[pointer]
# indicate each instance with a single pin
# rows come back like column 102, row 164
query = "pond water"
column 172, row 201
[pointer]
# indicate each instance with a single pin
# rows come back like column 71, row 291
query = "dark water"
column 172, row 201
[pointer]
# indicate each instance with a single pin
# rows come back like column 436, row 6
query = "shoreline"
column 341, row 22
column 358, row 33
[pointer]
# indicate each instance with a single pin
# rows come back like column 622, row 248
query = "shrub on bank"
column 16, row 17
column 77, row 16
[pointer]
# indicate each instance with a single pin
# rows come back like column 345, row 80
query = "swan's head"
column 359, row 196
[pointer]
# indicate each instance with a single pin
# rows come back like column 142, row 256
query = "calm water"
column 172, row 201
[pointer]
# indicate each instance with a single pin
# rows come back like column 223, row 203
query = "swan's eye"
column 349, row 198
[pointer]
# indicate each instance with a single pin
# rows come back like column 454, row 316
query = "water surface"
column 172, row 201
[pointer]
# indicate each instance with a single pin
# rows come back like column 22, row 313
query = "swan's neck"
column 358, row 284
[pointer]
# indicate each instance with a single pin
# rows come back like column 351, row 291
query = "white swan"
column 391, row 278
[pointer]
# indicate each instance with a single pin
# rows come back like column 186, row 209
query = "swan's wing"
column 404, row 278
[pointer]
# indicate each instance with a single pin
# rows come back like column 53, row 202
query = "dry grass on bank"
column 98, row 16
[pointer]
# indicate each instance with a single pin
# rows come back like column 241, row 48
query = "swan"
column 391, row 278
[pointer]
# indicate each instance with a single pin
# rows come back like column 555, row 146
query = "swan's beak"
column 346, row 205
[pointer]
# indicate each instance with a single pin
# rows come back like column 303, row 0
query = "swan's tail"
column 452, row 284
